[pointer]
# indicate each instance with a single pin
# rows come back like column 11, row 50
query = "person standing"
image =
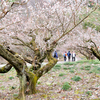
column 65, row 56
column 55, row 55
column 73, row 56
column 69, row 55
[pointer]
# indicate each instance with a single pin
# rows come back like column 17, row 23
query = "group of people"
column 69, row 55
column 66, row 55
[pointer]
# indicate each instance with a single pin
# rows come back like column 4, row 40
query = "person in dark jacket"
column 55, row 55
column 65, row 56
column 69, row 55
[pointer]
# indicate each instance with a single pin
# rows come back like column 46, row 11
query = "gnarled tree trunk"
column 28, row 77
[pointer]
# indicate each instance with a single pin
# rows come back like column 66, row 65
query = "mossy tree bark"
column 94, row 49
column 91, row 51
column 28, row 77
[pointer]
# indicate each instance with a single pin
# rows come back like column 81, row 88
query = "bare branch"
column 25, row 44
column 5, row 12
column 90, row 40
column 60, row 21
column 66, row 32
column 10, row 25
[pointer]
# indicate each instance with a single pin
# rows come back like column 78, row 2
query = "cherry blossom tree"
column 40, row 28
column 85, row 41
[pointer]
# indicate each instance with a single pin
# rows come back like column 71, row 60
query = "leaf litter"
column 50, row 85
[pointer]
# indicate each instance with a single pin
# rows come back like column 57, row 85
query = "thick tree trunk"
column 31, row 83
column 28, row 82
column 22, row 87
column 27, row 77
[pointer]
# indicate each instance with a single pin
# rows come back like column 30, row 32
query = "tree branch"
column 13, row 60
column 9, row 25
column 5, row 13
column 24, row 44
column 51, row 62
column 66, row 32
column 95, row 53
column 5, row 68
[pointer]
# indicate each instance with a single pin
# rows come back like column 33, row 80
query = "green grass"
column 95, row 66
column 87, row 67
column 15, row 95
column 76, row 78
column 82, row 61
column 95, row 70
column 2, row 88
column 98, row 68
column 98, row 28
column 68, row 68
column 88, row 24
column 71, row 71
column 11, row 77
column 96, row 62
column 65, row 68
column 93, row 20
column 58, row 66
column 38, row 82
column 69, row 63
column 89, row 93
column 1, row 74
column 61, row 74
column 66, row 86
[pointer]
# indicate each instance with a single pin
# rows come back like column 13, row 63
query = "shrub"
column 66, row 86
column 76, row 78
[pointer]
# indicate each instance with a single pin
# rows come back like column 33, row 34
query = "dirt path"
column 77, row 58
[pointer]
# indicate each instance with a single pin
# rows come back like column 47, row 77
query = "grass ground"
column 69, row 81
